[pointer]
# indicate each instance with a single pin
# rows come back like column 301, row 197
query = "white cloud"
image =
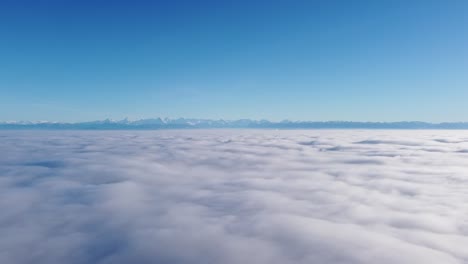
column 234, row 196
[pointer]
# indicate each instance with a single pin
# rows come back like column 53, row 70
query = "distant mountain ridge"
column 187, row 123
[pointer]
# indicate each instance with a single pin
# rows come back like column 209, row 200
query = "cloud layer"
column 234, row 196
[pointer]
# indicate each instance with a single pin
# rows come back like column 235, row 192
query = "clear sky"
column 389, row 60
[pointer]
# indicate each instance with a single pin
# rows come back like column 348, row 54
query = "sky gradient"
column 300, row 60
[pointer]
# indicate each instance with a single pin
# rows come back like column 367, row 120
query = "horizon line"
column 195, row 123
column 171, row 119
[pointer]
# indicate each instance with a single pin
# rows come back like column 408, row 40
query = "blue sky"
column 301, row 60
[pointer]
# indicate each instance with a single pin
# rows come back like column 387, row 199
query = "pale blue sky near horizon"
column 63, row 60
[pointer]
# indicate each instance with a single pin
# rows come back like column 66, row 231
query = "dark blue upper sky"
column 389, row 60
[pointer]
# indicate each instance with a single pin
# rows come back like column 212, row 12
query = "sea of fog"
column 234, row 197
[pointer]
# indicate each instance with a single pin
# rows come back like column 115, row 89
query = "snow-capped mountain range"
column 186, row 123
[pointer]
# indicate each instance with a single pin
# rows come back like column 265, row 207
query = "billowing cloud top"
column 234, row 196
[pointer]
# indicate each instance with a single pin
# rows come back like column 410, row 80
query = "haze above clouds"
column 234, row 196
